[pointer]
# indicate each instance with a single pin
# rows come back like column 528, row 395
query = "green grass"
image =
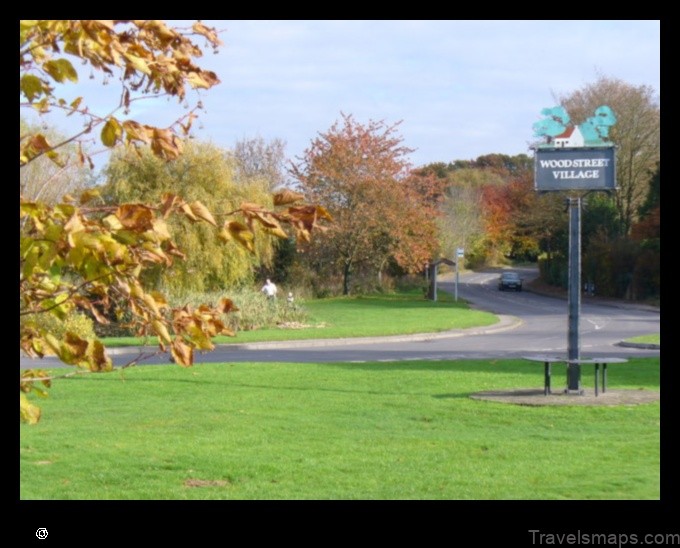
column 279, row 431
column 646, row 339
column 396, row 314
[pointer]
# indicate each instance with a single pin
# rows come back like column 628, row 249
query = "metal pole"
column 434, row 282
column 455, row 291
column 574, row 369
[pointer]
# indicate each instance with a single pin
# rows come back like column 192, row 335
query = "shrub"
column 74, row 322
column 255, row 310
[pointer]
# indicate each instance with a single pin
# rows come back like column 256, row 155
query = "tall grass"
column 255, row 311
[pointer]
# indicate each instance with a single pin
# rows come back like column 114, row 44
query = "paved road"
column 530, row 323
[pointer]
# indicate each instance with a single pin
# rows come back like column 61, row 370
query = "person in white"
column 269, row 289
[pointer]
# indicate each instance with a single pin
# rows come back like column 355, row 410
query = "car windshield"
column 510, row 276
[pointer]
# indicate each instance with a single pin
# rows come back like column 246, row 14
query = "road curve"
column 529, row 324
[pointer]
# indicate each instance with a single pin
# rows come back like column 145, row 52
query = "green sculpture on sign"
column 559, row 132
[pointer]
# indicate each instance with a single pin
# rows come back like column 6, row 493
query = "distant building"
column 571, row 137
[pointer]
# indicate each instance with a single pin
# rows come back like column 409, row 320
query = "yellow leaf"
column 160, row 299
column 135, row 216
column 242, row 234
column 61, row 70
column 276, row 231
column 89, row 195
column 138, row 63
column 224, row 235
column 199, row 210
column 75, row 104
column 97, row 358
column 136, row 131
column 151, row 303
column 74, row 224
column 161, row 331
column 322, row 213
column 56, row 158
column 112, row 223
column 28, row 412
column 31, row 86
column 195, row 81
column 37, row 144
column 160, row 227
column 286, row 197
column 111, row 132
column 188, row 212
column 182, row 352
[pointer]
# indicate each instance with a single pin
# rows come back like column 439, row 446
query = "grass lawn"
column 280, row 431
column 646, row 339
column 368, row 316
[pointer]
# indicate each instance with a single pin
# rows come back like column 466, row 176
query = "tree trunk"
column 345, row 277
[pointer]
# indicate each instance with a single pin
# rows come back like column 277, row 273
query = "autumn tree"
column 636, row 135
column 83, row 254
column 381, row 211
column 481, row 204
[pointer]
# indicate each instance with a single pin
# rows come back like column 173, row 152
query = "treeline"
column 389, row 218
column 492, row 210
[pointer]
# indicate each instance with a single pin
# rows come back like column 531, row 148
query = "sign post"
column 574, row 297
column 575, row 158
column 460, row 253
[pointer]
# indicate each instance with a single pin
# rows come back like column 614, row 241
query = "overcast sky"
column 460, row 88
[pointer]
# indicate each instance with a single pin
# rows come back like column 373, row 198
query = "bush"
column 255, row 310
column 74, row 322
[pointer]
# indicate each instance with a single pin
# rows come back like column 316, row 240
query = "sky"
column 459, row 89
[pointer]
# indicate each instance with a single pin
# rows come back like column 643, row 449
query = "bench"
column 549, row 360
column 597, row 362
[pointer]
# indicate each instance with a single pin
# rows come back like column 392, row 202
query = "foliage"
column 73, row 322
column 636, row 135
column 254, row 310
column 507, row 211
column 396, row 313
column 203, row 173
column 486, row 208
column 258, row 160
column 44, row 180
column 149, row 58
column 82, row 255
column 381, row 210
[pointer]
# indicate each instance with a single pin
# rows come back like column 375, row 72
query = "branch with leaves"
column 76, row 256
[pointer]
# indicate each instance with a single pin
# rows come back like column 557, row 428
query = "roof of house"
column 566, row 133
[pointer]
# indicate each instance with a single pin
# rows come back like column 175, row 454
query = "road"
column 531, row 324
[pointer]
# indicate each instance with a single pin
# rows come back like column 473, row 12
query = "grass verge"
column 646, row 339
column 281, row 431
column 367, row 316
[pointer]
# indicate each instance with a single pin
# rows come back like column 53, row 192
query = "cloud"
column 462, row 88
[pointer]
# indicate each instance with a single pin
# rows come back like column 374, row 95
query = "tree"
column 381, row 211
column 82, row 254
column 203, row 173
column 636, row 135
column 257, row 159
column 47, row 181
column 484, row 206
